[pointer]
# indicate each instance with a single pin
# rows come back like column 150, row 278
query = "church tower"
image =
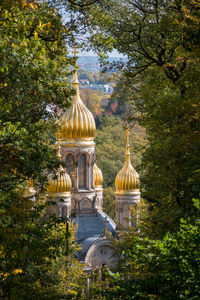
column 77, row 133
column 76, row 139
column 127, row 189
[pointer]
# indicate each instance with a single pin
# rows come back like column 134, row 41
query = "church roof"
column 90, row 228
column 78, row 122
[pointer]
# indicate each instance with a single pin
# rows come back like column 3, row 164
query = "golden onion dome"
column 98, row 177
column 127, row 180
column 78, row 122
column 61, row 183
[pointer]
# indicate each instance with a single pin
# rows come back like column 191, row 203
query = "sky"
column 111, row 54
column 114, row 53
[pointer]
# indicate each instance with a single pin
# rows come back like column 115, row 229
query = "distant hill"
column 92, row 62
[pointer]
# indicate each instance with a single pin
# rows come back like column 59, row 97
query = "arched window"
column 82, row 171
column 85, row 204
column 70, row 167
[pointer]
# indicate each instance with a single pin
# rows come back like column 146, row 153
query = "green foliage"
column 33, row 260
column 161, row 40
column 109, row 202
column 157, row 269
column 33, row 76
column 33, row 71
column 171, row 162
column 94, row 77
column 93, row 100
column 110, row 147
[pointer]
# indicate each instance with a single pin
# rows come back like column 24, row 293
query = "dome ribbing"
column 127, row 180
column 78, row 122
column 98, row 177
column 61, row 183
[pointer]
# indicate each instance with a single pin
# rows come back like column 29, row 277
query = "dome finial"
column 75, row 82
column 127, row 132
column 127, row 155
column 78, row 122
column 58, row 151
column 75, row 51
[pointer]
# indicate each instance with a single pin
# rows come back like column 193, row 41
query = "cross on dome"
column 75, row 51
column 127, row 132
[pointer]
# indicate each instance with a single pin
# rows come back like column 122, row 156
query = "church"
column 78, row 193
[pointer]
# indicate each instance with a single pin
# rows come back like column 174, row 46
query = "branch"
column 72, row 2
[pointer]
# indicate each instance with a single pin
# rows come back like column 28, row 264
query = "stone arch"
column 101, row 253
column 70, row 163
column 85, row 204
column 82, row 170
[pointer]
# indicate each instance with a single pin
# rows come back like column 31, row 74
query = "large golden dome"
column 78, row 122
column 98, row 177
column 127, row 180
column 59, row 184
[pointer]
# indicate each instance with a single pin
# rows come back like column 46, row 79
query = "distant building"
column 84, row 81
column 108, row 89
column 104, row 88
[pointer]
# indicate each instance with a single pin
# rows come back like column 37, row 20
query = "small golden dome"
column 127, row 180
column 59, row 184
column 78, row 122
column 98, row 177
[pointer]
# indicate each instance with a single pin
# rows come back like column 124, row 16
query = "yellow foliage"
column 17, row 271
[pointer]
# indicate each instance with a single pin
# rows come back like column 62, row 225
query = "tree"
column 33, row 255
column 110, row 147
column 34, row 69
column 161, row 40
column 109, row 202
column 156, row 269
column 93, row 100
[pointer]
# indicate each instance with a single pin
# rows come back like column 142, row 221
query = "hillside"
column 92, row 62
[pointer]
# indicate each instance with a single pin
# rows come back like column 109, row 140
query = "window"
column 70, row 167
column 82, row 171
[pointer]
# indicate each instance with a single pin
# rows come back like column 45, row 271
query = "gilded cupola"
column 78, row 122
column 127, row 180
column 61, row 183
column 98, row 177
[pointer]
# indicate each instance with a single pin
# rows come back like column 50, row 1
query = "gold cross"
column 75, row 51
column 127, row 133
